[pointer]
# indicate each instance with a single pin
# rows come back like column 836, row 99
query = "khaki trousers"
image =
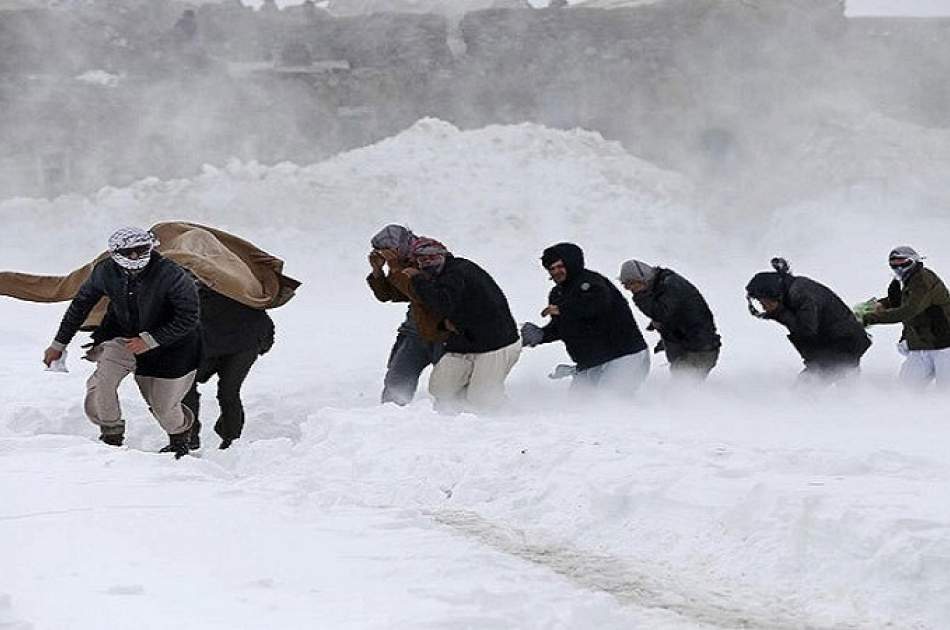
column 472, row 382
column 163, row 395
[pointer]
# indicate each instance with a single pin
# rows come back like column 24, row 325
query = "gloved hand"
column 864, row 309
column 531, row 335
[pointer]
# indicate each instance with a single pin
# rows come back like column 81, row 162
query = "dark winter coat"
column 160, row 300
column 679, row 313
column 821, row 326
column 229, row 327
column 464, row 293
column 922, row 305
column 595, row 321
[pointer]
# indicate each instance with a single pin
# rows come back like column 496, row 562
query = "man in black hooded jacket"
column 590, row 315
column 822, row 328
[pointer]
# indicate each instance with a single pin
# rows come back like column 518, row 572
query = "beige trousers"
column 472, row 382
column 163, row 395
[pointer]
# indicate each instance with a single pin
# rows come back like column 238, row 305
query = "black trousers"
column 410, row 355
column 231, row 369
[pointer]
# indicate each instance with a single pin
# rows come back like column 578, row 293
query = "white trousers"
column 923, row 366
column 472, row 382
column 621, row 377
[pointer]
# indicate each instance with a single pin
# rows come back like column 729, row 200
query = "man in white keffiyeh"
column 131, row 247
column 151, row 330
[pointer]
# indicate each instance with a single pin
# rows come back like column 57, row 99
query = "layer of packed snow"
column 745, row 504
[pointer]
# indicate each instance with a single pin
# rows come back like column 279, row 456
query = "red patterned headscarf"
column 428, row 253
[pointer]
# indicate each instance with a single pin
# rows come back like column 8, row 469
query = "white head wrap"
column 127, row 237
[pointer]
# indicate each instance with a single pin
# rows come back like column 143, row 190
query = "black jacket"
column 821, row 326
column 160, row 300
column 596, row 323
column 464, row 293
column 229, row 327
column 680, row 314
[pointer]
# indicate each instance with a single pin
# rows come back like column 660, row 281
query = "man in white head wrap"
column 918, row 299
column 150, row 330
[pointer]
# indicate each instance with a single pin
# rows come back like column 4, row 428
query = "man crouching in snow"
column 821, row 327
column 483, row 343
column 150, row 329
column 590, row 315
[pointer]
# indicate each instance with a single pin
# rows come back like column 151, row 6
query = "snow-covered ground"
column 747, row 503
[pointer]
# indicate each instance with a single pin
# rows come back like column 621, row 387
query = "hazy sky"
column 855, row 7
column 899, row 7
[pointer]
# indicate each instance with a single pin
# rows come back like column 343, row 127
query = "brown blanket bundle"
column 226, row 263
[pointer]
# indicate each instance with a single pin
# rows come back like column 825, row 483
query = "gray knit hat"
column 395, row 237
column 636, row 270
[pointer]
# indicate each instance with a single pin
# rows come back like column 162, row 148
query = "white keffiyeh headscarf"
column 128, row 237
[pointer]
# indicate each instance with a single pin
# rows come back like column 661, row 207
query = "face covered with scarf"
column 131, row 247
column 902, row 261
column 429, row 254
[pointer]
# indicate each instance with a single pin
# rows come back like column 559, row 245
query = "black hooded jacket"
column 680, row 314
column 464, row 293
column 821, row 326
column 160, row 300
column 596, row 323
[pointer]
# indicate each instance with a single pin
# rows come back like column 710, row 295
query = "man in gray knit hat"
column 419, row 342
column 677, row 311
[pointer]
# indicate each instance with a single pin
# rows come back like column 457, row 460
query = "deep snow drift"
column 745, row 504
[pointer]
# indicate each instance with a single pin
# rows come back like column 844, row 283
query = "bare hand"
column 411, row 272
column 391, row 256
column 550, row 309
column 136, row 345
column 50, row 355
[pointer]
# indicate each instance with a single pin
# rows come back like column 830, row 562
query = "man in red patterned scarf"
column 483, row 343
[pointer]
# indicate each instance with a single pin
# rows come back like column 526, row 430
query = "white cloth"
column 472, row 382
column 923, row 366
column 621, row 377
column 59, row 365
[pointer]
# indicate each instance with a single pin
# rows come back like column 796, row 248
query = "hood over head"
column 569, row 253
column 767, row 284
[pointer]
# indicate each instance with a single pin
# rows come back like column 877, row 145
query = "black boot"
column 112, row 439
column 225, row 443
column 177, row 444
